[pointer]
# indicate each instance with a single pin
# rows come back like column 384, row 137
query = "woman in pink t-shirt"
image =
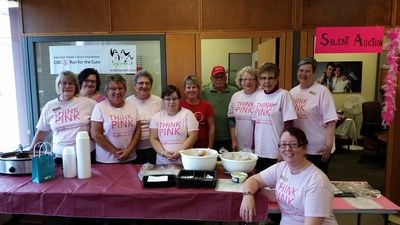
column 240, row 109
column 64, row 116
column 172, row 129
column 316, row 114
column 89, row 81
column 303, row 192
column 115, row 124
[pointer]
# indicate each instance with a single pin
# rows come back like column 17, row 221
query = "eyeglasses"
column 219, row 77
column 267, row 78
column 113, row 89
column 65, row 83
column 247, row 79
column 142, row 83
column 89, row 81
column 291, row 145
column 167, row 99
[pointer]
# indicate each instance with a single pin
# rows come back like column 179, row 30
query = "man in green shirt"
column 219, row 94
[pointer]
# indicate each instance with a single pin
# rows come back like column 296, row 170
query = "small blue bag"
column 43, row 167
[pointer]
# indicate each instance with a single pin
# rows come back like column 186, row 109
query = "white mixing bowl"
column 238, row 161
column 199, row 159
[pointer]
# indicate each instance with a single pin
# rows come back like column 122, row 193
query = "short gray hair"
column 308, row 60
column 115, row 78
column 143, row 73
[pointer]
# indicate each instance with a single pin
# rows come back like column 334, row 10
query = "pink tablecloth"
column 115, row 191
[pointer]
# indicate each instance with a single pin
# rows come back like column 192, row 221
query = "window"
column 150, row 55
column 13, row 118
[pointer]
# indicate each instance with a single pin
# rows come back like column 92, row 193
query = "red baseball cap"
column 217, row 70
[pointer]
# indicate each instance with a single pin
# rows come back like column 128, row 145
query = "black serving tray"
column 158, row 184
column 345, row 194
column 197, row 178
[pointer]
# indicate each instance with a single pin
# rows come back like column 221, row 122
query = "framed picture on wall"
column 340, row 76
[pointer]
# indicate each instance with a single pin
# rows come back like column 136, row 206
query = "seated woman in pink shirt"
column 303, row 192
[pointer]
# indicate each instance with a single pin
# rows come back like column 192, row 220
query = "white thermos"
column 83, row 155
column 69, row 162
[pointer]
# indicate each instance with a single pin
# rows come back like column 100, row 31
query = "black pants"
column 264, row 163
column 227, row 144
column 317, row 161
column 146, row 156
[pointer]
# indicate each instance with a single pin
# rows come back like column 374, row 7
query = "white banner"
column 106, row 59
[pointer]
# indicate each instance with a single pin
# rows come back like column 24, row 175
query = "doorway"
column 216, row 49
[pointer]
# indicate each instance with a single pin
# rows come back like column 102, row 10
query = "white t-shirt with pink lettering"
column 307, row 194
column 269, row 113
column 65, row 120
column 240, row 107
column 146, row 109
column 173, row 131
column 315, row 107
column 119, row 126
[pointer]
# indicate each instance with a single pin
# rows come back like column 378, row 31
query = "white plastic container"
column 238, row 161
column 83, row 155
column 69, row 162
column 239, row 177
column 199, row 159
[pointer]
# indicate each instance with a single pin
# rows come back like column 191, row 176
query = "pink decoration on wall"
column 392, row 59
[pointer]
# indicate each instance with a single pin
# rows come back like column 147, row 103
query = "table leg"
column 349, row 142
column 358, row 218
column 385, row 219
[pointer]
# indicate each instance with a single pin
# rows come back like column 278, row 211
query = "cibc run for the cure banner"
column 107, row 59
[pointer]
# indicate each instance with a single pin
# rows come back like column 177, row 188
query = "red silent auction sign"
column 349, row 39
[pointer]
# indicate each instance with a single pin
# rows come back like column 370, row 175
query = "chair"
column 371, row 130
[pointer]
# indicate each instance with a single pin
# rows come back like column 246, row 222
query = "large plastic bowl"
column 238, row 161
column 193, row 160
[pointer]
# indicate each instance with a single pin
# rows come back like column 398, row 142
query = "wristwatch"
column 247, row 193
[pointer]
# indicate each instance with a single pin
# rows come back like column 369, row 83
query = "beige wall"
column 266, row 51
column 216, row 52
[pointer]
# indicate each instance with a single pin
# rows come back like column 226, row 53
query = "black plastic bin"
column 197, row 178
column 158, row 184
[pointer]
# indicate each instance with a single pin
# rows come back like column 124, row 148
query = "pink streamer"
column 392, row 60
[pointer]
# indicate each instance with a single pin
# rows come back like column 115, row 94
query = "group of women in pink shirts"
column 146, row 128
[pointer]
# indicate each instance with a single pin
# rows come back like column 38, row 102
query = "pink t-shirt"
column 101, row 98
column 146, row 109
column 173, row 131
column 241, row 108
column 269, row 113
column 315, row 107
column 307, row 194
column 65, row 120
column 119, row 126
